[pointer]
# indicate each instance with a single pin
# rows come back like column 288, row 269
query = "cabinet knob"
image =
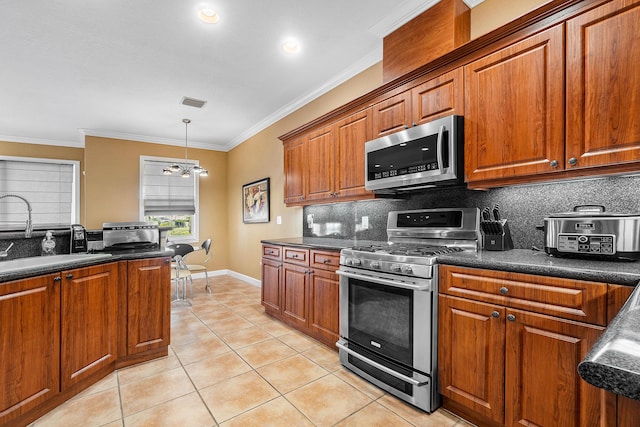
column 504, row 290
column 57, row 279
column 415, row 124
column 573, row 161
column 511, row 318
column 167, row 261
column 553, row 163
column 406, row 126
column 495, row 314
column 69, row 276
column 326, row 261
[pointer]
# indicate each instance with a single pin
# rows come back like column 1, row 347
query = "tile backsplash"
column 525, row 206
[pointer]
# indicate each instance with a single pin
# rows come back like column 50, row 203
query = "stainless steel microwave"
column 419, row 157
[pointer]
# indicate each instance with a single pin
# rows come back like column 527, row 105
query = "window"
column 51, row 186
column 169, row 200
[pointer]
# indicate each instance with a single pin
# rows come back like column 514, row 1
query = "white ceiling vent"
column 192, row 102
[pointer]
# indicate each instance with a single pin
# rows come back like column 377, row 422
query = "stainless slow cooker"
column 590, row 232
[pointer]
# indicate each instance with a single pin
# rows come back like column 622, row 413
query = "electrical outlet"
column 278, row 220
column 365, row 222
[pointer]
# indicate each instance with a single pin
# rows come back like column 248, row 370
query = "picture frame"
column 256, row 202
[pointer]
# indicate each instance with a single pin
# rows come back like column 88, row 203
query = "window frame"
column 195, row 220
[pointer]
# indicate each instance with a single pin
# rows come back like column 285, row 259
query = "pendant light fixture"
column 185, row 170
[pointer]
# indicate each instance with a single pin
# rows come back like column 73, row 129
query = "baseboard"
column 248, row 279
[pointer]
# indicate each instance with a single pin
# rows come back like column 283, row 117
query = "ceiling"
column 121, row 68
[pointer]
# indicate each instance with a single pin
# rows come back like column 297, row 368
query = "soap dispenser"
column 48, row 244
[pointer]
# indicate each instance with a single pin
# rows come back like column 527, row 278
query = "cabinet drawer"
column 325, row 260
column 566, row 298
column 273, row 252
column 296, row 255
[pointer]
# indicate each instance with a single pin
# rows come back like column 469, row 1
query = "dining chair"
column 198, row 268
column 180, row 272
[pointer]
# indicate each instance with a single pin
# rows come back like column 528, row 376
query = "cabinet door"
column 351, row 134
column 603, row 85
column 30, row 350
column 294, row 171
column 438, row 97
column 319, row 164
column 471, row 344
column 89, row 321
column 514, row 109
column 628, row 412
column 295, row 296
column 542, row 379
column 324, row 313
column 392, row 115
column 148, row 304
column 271, row 284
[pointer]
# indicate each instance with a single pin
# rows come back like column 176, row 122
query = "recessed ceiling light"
column 291, row 46
column 209, row 16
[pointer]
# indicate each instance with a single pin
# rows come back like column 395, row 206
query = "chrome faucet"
column 29, row 228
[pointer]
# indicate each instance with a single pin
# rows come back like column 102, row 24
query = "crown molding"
column 365, row 62
column 55, row 142
column 150, row 139
column 472, row 3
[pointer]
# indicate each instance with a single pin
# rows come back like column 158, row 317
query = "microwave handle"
column 439, row 148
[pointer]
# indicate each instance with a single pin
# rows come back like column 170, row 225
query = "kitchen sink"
column 62, row 261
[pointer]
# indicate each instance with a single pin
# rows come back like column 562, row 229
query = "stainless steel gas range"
column 388, row 301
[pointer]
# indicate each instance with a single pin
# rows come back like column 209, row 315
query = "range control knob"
column 408, row 270
column 396, row 267
column 357, row 262
column 583, row 239
column 375, row 264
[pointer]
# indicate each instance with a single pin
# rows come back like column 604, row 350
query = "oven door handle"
column 425, row 287
column 383, row 368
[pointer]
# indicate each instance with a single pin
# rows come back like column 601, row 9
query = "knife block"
column 496, row 235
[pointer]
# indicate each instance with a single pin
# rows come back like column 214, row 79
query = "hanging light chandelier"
column 187, row 169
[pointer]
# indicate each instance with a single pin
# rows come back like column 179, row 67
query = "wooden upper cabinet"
column 514, row 109
column 351, row 134
column 319, row 164
column 392, row 114
column 294, row 171
column 603, row 86
column 439, row 97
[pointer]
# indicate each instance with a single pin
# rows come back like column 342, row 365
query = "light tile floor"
column 229, row 364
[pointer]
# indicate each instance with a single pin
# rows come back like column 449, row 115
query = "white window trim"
column 75, row 200
column 195, row 235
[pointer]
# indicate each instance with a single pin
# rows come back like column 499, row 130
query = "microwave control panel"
column 587, row 243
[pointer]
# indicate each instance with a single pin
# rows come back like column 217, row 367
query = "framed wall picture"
column 255, row 202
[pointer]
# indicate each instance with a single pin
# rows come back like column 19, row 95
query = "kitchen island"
column 65, row 326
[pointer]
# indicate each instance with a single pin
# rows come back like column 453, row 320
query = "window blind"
column 49, row 186
column 167, row 194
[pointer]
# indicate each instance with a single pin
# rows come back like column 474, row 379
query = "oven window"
column 380, row 319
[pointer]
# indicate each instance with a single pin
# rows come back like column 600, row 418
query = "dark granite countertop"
column 537, row 262
column 515, row 260
column 48, row 269
column 613, row 363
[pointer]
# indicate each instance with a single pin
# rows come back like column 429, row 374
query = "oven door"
column 388, row 333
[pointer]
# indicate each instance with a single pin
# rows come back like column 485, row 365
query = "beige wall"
column 491, row 14
column 112, row 187
column 262, row 156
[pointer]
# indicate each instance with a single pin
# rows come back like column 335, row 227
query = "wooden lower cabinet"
column 505, row 366
column 303, row 290
column 295, row 294
column 148, row 305
column 30, row 349
column 89, row 321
